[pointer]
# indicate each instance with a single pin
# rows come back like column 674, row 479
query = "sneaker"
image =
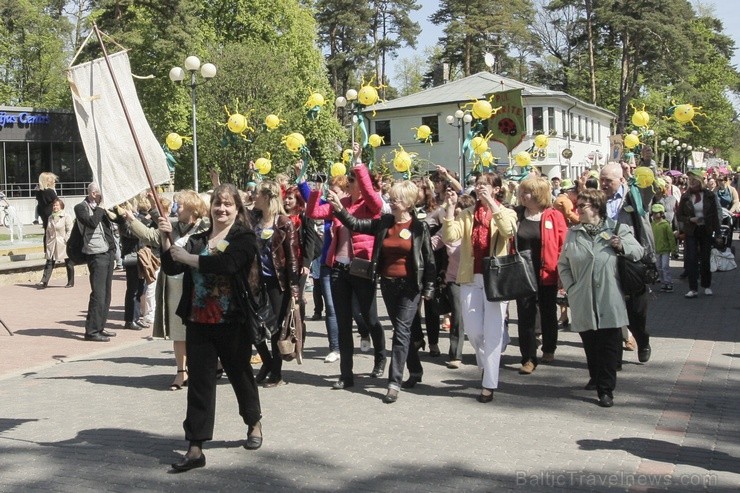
column 527, row 368
column 453, row 364
column 547, row 357
column 708, row 292
column 669, row 288
column 332, row 357
column 365, row 344
column 691, row 294
column 255, row 360
column 664, row 288
column 144, row 323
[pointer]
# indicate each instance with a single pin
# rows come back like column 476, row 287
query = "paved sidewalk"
column 79, row 416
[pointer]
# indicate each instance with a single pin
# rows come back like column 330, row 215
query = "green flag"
column 507, row 125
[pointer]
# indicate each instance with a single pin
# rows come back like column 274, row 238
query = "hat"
column 593, row 174
column 697, row 172
column 567, row 184
column 657, row 208
column 660, row 182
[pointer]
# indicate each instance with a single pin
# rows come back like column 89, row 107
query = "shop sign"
column 25, row 118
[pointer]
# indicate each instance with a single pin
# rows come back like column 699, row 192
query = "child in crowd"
column 665, row 245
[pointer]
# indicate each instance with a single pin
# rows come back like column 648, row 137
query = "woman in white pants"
column 485, row 230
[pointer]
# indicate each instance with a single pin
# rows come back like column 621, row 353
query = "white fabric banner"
column 106, row 136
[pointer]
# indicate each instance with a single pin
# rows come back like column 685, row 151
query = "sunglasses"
column 582, row 205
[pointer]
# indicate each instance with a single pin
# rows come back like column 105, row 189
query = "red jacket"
column 553, row 230
column 368, row 206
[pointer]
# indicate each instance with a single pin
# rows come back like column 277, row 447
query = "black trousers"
column 697, row 254
column 637, row 308
column 49, row 267
column 457, row 334
column 431, row 319
column 206, row 345
column 526, row 309
column 402, row 302
column 318, row 296
column 100, row 267
column 134, row 289
column 602, row 348
column 343, row 287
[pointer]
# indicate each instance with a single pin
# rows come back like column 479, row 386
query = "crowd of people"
column 423, row 240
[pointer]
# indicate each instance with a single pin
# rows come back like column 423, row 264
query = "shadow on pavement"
column 47, row 332
column 7, row 424
column 662, row 451
column 153, row 382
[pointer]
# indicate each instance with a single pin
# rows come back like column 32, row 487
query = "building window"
column 16, row 167
column 39, row 158
column 433, row 123
column 538, row 122
column 593, row 134
column 550, row 119
column 580, row 127
column 571, row 127
column 564, row 124
column 383, row 128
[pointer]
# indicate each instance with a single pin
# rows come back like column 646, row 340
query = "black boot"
column 48, row 268
column 70, row 273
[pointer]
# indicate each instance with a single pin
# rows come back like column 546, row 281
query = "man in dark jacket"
column 622, row 206
column 100, row 247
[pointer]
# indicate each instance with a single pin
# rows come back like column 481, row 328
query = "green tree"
column 266, row 57
column 392, row 28
column 31, row 68
column 474, row 27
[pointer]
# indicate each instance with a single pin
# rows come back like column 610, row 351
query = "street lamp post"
column 177, row 74
column 458, row 120
column 341, row 102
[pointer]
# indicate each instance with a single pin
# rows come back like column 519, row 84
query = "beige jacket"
column 502, row 228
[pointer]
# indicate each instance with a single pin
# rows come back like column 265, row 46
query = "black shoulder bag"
column 509, row 277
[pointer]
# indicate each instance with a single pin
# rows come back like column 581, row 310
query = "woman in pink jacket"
column 363, row 202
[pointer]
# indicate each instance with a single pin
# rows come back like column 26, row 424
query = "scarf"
column 481, row 235
column 593, row 229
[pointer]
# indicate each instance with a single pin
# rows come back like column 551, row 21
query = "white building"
column 569, row 122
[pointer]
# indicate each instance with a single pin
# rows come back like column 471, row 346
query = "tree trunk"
column 591, row 62
column 623, row 83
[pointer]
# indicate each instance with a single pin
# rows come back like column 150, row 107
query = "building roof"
column 475, row 86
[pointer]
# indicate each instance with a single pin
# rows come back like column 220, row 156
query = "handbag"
column 255, row 313
column 130, row 259
column 509, row 277
column 361, row 267
column 290, row 343
column 635, row 274
column 74, row 245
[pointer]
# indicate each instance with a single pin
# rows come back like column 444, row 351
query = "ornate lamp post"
column 341, row 102
column 459, row 120
column 207, row 72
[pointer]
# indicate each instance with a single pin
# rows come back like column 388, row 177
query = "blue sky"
column 726, row 10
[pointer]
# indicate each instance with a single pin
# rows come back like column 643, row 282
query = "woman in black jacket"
column 404, row 260
column 210, row 262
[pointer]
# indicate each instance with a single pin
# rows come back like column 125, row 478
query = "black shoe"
column 379, row 368
column 606, row 401
column 187, row 464
column 219, row 373
column 274, row 381
column 70, row 285
column 254, row 442
column 413, row 380
column 643, row 354
column 262, row 374
column 132, row 326
column 343, row 383
column 96, row 338
column 591, row 385
column 434, row 350
column 484, row 398
column 391, row 396
column 316, row 316
column 107, row 333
